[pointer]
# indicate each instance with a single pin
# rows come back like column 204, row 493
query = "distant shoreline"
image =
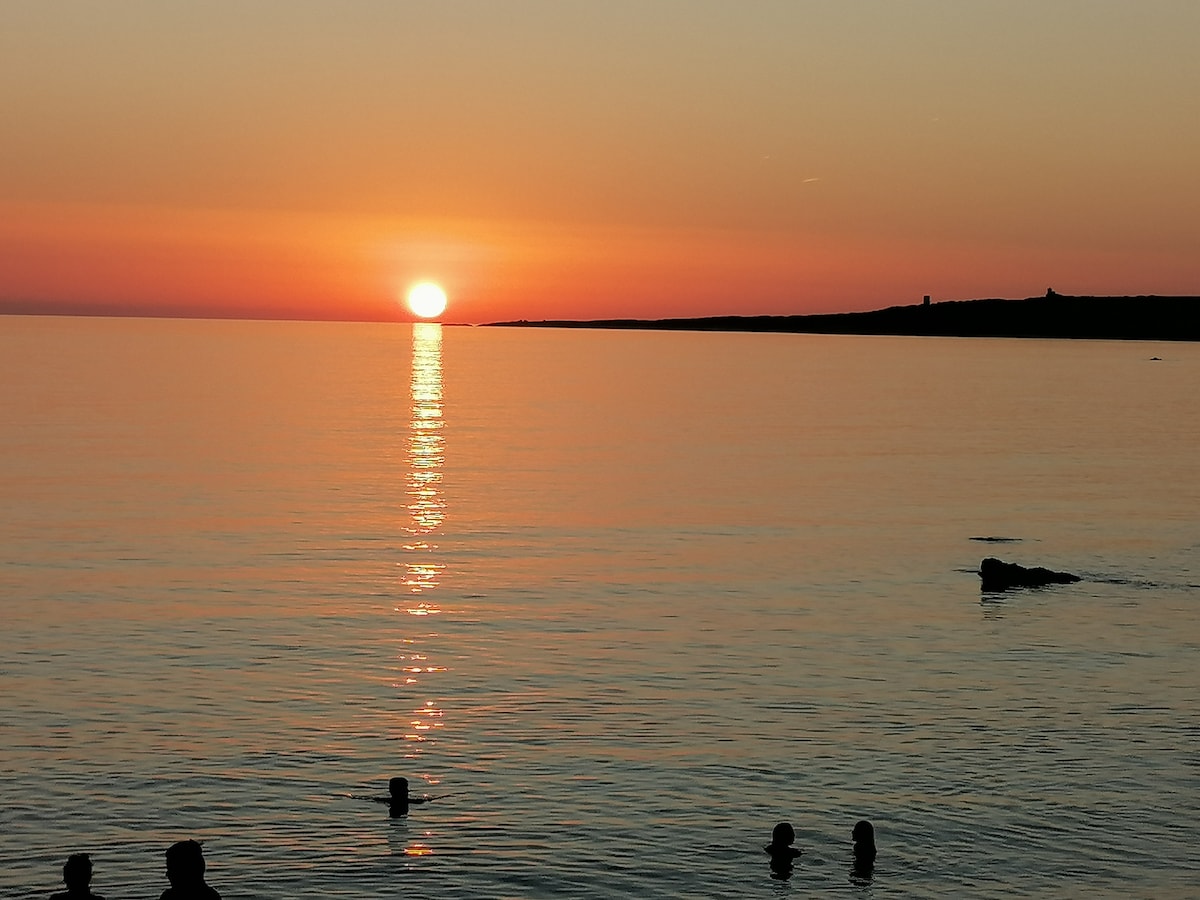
column 1146, row 317
column 1139, row 318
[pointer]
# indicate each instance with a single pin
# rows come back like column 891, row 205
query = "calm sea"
column 620, row 600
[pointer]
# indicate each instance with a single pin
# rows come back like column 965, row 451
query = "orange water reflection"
column 426, row 510
column 428, row 720
column 426, row 456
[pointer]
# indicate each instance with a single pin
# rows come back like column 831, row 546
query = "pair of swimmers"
column 783, row 854
column 185, row 871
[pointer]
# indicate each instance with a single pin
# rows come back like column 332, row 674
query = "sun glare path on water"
column 427, row 300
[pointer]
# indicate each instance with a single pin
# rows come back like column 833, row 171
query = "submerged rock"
column 997, row 575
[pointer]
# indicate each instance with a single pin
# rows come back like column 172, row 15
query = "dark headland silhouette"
column 1146, row 318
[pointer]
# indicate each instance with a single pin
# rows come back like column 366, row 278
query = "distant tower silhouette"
column 926, row 303
column 1050, row 294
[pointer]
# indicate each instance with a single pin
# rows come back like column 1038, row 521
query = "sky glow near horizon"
column 572, row 160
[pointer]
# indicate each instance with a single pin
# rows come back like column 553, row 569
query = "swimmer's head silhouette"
column 864, row 842
column 185, row 864
column 783, row 835
column 77, row 872
column 781, row 851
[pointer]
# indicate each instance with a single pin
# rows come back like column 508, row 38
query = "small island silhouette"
column 1143, row 318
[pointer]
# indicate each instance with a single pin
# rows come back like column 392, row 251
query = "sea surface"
column 619, row 601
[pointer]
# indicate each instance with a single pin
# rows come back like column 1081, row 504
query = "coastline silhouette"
column 77, row 876
column 185, row 871
column 781, row 851
column 1143, row 317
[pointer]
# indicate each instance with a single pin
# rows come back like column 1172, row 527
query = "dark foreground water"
column 621, row 600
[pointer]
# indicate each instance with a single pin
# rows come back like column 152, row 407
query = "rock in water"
column 997, row 575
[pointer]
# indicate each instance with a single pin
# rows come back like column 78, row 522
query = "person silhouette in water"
column 781, row 851
column 863, row 836
column 77, row 876
column 398, row 798
column 185, row 871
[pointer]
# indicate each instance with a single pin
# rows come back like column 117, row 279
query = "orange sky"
column 560, row 159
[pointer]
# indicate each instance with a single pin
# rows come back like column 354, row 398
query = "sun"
column 427, row 300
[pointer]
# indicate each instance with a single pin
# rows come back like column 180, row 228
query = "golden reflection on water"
column 426, row 509
column 426, row 456
column 429, row 719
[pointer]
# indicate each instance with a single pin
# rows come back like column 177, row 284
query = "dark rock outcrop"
column 997, row 575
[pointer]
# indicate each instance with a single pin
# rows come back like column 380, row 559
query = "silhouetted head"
column 781, row 851
column 864, row 841
column 398, row 787
column 185, row 863
column 783, row 835
column 77, row 872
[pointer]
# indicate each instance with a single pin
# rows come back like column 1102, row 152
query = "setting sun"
column 426, row 300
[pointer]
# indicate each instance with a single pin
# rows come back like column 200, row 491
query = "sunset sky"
column 568, row 159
